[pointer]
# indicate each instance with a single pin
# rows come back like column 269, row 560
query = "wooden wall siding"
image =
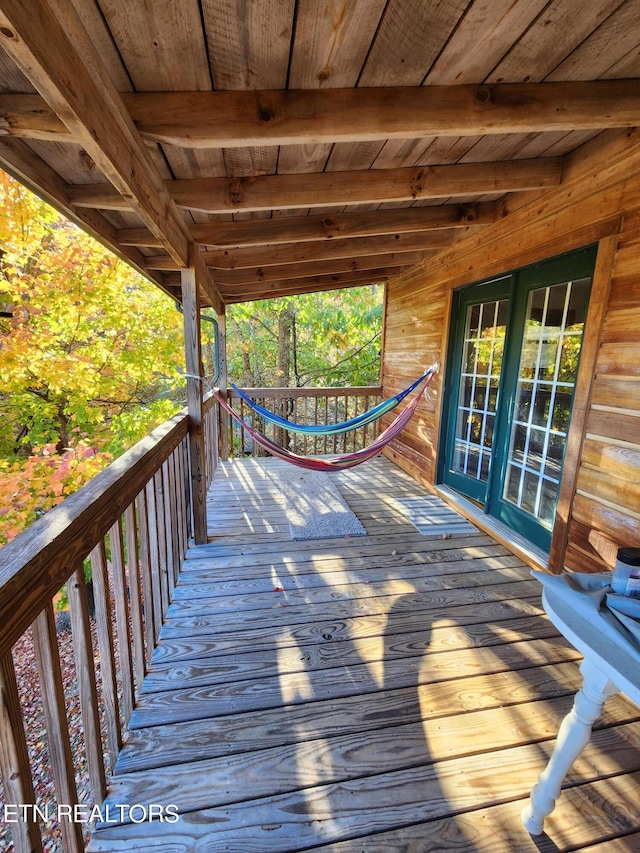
column 599, row 197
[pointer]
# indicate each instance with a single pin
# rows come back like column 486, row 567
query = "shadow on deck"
column 383, row 693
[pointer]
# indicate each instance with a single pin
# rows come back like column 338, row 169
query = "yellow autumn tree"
column 91, row 357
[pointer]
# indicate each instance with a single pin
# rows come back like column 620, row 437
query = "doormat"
column 434, row 518
column 314, row 506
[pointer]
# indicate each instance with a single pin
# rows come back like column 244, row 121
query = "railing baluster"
column 305, row 421
column 145, row 566
column 186, row 461
column 87, row 685
column 176, row 490
column 326, row 421
column 178, row 553
column 121, row 601
column 161, row 529
column 242, row 435
column 182, row 492
column 167, row 495
column 45, row 645
column 154, row 556
column 215, row 439
column 365, row 431
column 106, row 647
column 14, row 761
column 135, row 594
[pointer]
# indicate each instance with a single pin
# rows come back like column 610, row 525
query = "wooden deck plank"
column 185, row 605
column 194, row 740
column 375, row 652
column 329, row 569
column 341, row 757
column 354, row 628
column 280, row 613
column 327, row 812
column 343, row 552
column 379, row 693
column 298, row 687
column 192, row 588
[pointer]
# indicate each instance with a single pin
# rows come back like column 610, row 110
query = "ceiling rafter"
column 232, row 119
column 330, row 266
column 298, row 229
column 299, row 269
column 375, row 186
column 311, row 253
column 292, row 253
column 295, row 286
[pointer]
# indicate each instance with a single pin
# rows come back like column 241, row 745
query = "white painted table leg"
column 573, row 736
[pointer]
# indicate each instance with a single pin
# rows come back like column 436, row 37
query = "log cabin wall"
column 598, row 201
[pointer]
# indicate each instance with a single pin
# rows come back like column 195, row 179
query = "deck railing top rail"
column 280, row 393
column 36, row 564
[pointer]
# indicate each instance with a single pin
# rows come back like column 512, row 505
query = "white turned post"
column 573, row 736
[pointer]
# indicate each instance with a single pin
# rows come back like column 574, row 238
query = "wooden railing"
column 131, row 523
column 211, row 436
column 305, row 406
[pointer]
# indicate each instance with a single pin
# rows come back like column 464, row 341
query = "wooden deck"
column 374, row 694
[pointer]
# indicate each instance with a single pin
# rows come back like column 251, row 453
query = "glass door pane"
column 483, row 347
column 546, row 377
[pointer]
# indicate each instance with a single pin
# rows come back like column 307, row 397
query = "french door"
column 513, row 360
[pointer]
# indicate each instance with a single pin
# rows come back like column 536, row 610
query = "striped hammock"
column 334, row 463
column 334, row 429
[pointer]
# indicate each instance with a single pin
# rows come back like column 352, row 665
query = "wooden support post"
column 195, row 375
column 223, row 385
column 14, row 761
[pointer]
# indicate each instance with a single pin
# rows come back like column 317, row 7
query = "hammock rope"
column 334, row 463
column 357, row 421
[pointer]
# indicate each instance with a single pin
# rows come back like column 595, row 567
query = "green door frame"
column 514, row 286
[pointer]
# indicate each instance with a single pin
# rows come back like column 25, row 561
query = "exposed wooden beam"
column 305, row 270
column 245, row 119
column 223, row 195
column 291, row 287
column 375, row 186
column 30, row 117
column 296, row 269
column 138, row 237
column 320, row 250
column 62, row 63
column 296, row 229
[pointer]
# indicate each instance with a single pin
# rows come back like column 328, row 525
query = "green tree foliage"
column 91, row 356
column 331, row 338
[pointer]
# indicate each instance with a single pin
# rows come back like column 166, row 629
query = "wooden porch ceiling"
column 304, row 143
